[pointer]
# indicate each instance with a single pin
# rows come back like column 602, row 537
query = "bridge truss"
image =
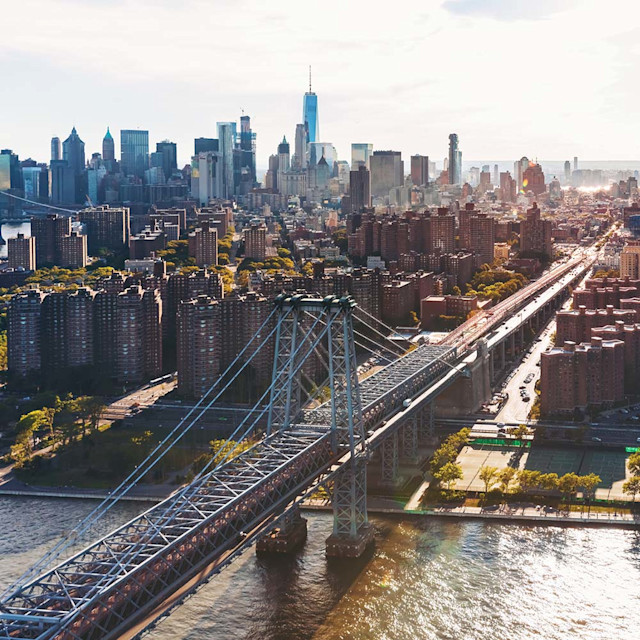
column 111, row 584
column 97, row 590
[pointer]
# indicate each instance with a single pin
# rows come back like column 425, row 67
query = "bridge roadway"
column 480, row 324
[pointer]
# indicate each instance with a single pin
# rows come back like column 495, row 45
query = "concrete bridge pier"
column 467, row 394
column 352, row 533
column 289, row 534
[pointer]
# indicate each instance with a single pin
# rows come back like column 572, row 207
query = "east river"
column 429, row 578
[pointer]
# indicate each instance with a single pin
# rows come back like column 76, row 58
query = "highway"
column 525, row 376
column 541, row 290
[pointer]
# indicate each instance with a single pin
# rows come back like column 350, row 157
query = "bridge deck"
column 385, row 391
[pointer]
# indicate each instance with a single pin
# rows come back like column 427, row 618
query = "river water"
column 428, row 579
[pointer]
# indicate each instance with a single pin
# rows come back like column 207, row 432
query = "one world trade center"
column 310, row 113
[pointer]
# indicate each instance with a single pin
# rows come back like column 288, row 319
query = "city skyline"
column 369, row 89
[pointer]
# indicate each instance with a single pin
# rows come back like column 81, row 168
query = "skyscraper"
column 227, row 133
column 310, row 113
column 567, row 171
column 207, row 176
column 139, row 334
column 169, row 157
column 387, row 172
column 73, row 152
column 248, row 150
column 134, row 152
column 108, row 147
column 536, row 233
column 56, row 149
column 62, row 183
column 10, row 171
column 519, row 167
column 199, row 345
column 203, row 244
column 360, row 188
column 255, row 242
column 73, row 251
column 483, row 236
column 23, row 335
column 201, row 145
column 301, row 148
column 455, row 160
column 533, row 179
column 48, row 232
column 283, row 159
column 73, row 155
column 360, row 155
column 106, row 227
column 420, row 170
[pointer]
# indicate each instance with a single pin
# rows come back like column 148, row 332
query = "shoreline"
column 593, row 520
column 72, row 494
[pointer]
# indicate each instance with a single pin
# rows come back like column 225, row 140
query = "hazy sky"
column 543, row 78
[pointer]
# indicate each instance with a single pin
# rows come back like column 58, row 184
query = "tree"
column 413, row 316
column 3, row 350
column 505, row 477
column 548, row 481
column 456, row 291
column 633, row 462
column 29, row 424
column 588, row 484
column 529, row 480
column 568, row 484
column 631, row 487
column 488, row 475
column 520, row 432
column 339, row 237
column 449, row 473
column 90, row 410
column 442, row 455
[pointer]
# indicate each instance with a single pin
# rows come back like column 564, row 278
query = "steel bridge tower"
column 298, row 317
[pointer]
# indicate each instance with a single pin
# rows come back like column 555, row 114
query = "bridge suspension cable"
column 378, row 321
column 397, row 346
column 40, row 204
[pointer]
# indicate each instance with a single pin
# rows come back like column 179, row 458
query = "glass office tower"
column 310, row 115
column 134, row 152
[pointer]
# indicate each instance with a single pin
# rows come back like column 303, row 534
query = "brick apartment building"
column 578, row 376
column 576, row 325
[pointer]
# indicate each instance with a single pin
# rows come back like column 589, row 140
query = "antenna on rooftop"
column 309, row 78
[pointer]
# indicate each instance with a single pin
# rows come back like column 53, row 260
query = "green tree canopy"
column 488, row 475
column 449, row 473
